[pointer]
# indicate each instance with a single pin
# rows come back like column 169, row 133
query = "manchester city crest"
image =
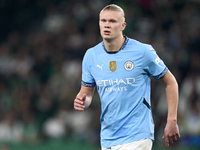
column 128, row 65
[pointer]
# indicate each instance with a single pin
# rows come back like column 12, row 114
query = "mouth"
column 106, row 32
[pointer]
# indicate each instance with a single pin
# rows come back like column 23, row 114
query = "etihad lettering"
column 111, row 82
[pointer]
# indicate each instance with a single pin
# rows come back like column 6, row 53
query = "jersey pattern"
column 122, row 79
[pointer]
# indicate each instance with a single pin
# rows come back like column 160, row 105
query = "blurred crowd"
column 42, row 44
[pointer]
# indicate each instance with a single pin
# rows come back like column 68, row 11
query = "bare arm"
column 171, row 132
column 83, row 98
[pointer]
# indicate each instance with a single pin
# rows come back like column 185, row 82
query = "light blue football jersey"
column 123, row 79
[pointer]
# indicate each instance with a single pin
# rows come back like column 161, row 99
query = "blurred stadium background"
column 42, row 43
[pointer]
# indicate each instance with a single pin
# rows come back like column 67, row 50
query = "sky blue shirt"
column 123, row 79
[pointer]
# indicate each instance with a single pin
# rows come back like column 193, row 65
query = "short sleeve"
column 153, row 64
column 87, row 78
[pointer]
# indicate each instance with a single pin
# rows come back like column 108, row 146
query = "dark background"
column 42, row 43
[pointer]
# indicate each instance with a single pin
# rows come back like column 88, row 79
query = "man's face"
column 111, row 24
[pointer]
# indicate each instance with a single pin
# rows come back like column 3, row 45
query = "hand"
column 79, row 102
column 171, row 133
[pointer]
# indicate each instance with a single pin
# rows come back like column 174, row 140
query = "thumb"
column 164, row 136
column 83, row 97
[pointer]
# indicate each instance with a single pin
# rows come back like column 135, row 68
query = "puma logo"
column 101, row 67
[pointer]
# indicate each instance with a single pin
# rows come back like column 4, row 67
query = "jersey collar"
column 123, row 46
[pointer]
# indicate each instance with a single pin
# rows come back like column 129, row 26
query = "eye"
column 112, row 21
column 103, row 20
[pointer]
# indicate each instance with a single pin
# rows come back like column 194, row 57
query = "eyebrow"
column 103, row 19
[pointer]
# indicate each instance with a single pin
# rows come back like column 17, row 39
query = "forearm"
column 172, row 100
column 171, row 130
column 172, row 95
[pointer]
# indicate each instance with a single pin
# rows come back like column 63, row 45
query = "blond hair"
column 113, row 7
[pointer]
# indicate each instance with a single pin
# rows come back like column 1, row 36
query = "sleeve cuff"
column 88, row 84
column 161, row 74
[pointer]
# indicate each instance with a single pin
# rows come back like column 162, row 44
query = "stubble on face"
column 111, row 24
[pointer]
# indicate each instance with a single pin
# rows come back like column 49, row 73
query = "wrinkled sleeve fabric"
column 153, row 64
column 87, row 78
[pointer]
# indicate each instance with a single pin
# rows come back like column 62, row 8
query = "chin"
column 107, row 37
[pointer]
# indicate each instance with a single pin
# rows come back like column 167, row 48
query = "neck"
column 113, row 45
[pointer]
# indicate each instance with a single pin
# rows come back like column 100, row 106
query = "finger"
column 78, row 106
column 78, row 101
column 171, row 140
column 82, row 98
column 175, row 137
column 167, row 142
column 79, row 98
column 178, row 135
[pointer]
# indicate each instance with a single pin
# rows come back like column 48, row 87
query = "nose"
column 107, row 25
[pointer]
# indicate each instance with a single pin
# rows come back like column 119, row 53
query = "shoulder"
column 141, row 48
column 139, row 44
column 94, row 50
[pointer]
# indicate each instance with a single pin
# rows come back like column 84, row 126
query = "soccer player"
column 121, row 69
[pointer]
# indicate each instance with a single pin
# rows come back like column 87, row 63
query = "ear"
column 123, row 26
